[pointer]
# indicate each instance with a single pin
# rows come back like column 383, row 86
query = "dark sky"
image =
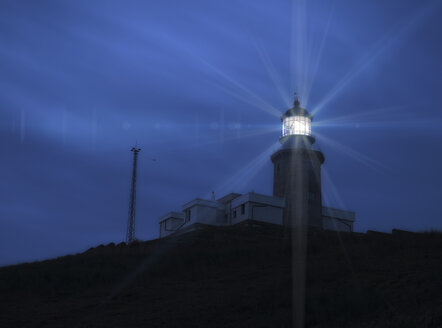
column 200, row 86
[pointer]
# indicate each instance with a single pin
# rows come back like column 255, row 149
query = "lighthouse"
column 297, row 170
column 297, row 191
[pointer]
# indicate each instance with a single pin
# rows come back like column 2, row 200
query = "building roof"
column 228, row 198
column 296, row 110
column 258, row 198
column 338, row 214
column 172, row 215
column 201, row 202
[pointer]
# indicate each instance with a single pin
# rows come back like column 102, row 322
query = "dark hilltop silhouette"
column 237, row 276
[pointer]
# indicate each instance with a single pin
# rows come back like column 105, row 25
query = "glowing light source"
column 296, row 121
column 297, row 125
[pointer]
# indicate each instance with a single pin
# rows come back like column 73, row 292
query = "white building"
column 170, row 222
column 297, row 190
column 236, row 208
column 335, row 219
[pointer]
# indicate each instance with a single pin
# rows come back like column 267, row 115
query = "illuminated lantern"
column 296, row 122
column 297, row 170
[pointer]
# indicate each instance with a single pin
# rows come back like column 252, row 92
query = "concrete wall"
column 203, row 213
column 257, row 207
column 297, row 178
column 329, row 223
column 266, row 214
column 221, row 217
column 169, row 226
column 239, row 215
column 250, row 206
column 338, row 213
column 337, row 219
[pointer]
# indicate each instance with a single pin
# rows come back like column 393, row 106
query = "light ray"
column 334, row 197
column 380, row 120
column 275, row 77
column 364, row 114
column 410, row 125
column 248, row 97
column 22, row 126
column 319, row 55
column 367, row 161
column 13, row 123
column 269, row 110
column 392, row 37
column 244, row 175
column 64, row 126
column 94, row 128
column 234, row 136
column 338, row 198
column 213, row 140
column 297, row 46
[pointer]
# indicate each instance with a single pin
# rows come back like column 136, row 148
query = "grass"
column 232, row 277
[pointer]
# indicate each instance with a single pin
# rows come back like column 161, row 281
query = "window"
column 188, row 213
column 234, row 213
column 243, row 209
column 278, row 169
column 297, row 125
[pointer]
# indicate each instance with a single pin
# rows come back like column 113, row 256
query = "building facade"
column 236, row 208
column 297, row 170
column 297, row 190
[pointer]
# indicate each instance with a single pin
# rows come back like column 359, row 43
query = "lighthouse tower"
column 297, row 170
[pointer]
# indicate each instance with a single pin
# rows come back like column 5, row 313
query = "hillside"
column 232, row 277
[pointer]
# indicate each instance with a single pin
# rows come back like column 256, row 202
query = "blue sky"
column 199, row 86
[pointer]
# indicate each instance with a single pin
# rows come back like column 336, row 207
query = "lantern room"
column 296, row 121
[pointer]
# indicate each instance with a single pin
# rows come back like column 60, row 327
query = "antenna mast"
column 130, row 233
